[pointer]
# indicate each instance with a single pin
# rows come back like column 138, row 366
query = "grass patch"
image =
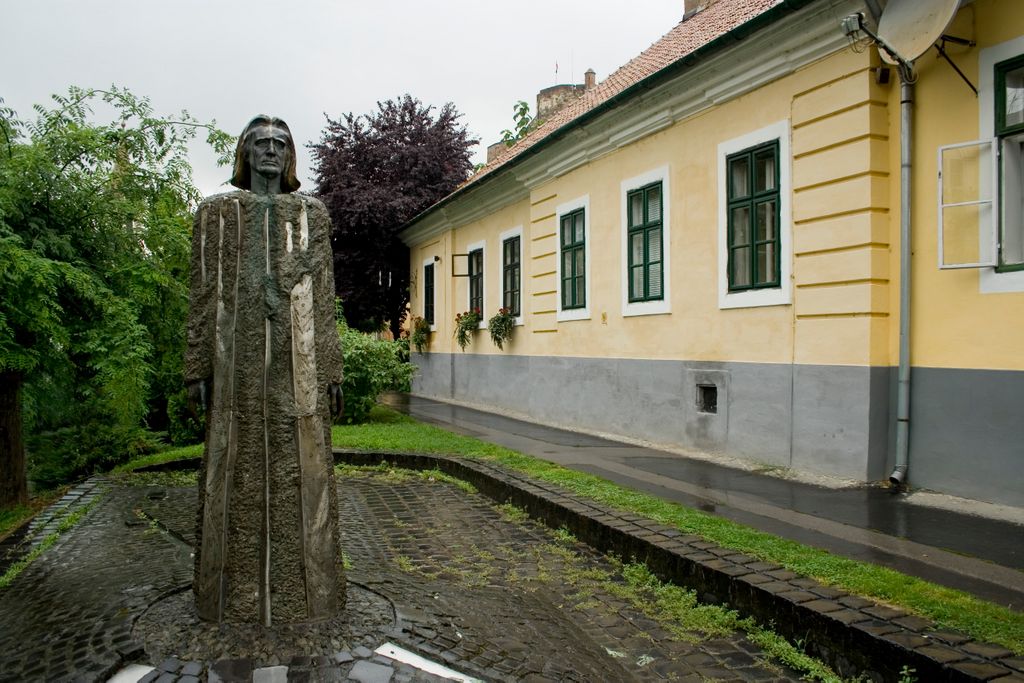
column 780, row 649
column 66, row 523
column 184, row 453
column 12, row 518
column 389, row 431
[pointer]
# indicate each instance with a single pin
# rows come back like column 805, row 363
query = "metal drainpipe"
column 899, row 474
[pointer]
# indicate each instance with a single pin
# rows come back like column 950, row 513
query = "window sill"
column 1001, row 280
column 636, row 308
column 754, row 298
column 573, row 314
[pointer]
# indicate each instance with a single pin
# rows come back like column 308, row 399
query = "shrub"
column 183, row 429
column 70, row 453
column 371, row 367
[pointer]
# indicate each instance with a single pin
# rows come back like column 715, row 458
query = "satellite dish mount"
column 909, row 28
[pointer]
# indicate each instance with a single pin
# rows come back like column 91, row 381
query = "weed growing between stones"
column 170, row 479
column 67, row 521
column 588, row 582
column 780, row 649
column 396, row 475
column 675, row 608
column 512, row 513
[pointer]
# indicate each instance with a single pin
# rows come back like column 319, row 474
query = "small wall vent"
column 707, row 398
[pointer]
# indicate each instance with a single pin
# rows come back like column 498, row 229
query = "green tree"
column 94, row 250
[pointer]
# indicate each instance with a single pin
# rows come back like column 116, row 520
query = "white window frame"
column 773, row 296
column 664, row 305
column 429, row 261
column 990, row 280
column 514, row 232
column 481, row 245
column 988, row 234
column 562, row 209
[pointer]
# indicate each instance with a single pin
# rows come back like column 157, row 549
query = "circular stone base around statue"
column 171, row 628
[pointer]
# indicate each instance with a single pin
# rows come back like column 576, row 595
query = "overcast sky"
column 231, row 59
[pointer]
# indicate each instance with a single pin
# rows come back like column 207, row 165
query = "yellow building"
column 703, row 250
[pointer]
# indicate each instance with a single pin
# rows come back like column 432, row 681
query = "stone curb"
column 854, row 635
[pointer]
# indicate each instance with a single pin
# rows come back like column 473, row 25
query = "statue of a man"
column 264, row 357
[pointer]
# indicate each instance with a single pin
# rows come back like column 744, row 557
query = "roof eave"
column 766, row 18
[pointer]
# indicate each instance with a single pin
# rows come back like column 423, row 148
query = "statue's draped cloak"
column 262, row 329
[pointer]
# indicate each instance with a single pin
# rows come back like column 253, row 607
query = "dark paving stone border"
column 852, row 634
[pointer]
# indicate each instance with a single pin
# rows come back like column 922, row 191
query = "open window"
column 981, row 183
column 968, row 233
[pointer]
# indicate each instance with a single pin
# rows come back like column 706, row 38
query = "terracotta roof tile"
column 717, row 18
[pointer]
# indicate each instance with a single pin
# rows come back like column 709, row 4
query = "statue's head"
column 265, row 147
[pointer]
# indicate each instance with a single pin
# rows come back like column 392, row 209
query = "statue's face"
column 270, row 151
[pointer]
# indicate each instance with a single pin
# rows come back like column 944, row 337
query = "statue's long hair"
column 240, row 177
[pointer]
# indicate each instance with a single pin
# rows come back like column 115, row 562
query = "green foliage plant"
column 524, row 123
column 500, row 326
column 465, row 325
column 372, row 366
column 420, row 335
column 95, row 220
column 79, row 450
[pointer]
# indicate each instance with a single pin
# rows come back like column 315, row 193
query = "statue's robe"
column 261, row 327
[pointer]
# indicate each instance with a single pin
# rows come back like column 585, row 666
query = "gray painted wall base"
column 822, row 419
column 967, row 431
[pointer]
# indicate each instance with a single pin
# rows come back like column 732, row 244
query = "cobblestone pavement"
column 472, row 588
column 22, row 541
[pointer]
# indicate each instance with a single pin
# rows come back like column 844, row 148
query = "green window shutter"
column 644, row 243
column 511, row 259
column 752, row 187
column 573, row 256
column 428, row 293
column 476, row 280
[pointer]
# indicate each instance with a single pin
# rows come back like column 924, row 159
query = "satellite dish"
column 911, row 27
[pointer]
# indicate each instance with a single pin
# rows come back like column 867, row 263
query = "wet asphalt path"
column 981, row 556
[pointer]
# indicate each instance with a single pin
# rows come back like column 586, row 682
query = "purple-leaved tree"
column 374, row 173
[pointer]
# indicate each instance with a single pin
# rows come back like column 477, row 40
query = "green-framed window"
column 476, row 280
column 644, row 238
column 428, row 293
column 752, row 180
column 1009, row 129
column 573, row 241
column 511, row 274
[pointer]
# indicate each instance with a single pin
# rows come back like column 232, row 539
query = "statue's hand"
column 335, row 399
column 198, row 392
